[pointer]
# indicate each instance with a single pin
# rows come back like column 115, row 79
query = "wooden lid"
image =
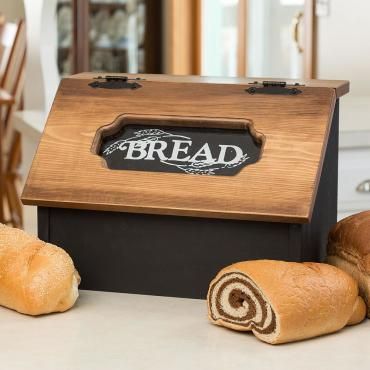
column 281, row 186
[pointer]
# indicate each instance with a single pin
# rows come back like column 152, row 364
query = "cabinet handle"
column 364, row 187
column 296, row 24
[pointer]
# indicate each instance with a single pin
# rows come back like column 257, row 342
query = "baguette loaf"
column 349, row 249
column 35, row 277
column 284, row 301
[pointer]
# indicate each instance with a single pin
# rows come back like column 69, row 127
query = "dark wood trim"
column 81, row 26
column 197, row 37
column 153, row 36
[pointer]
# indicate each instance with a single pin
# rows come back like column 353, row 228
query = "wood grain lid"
column 291, row 129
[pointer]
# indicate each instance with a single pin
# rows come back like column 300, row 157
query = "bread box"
column 153, row 183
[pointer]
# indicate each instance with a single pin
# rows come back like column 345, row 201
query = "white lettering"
column 204, row 152
column 136, row 146
column 123, row 146
column 152, row 149
column 238, row 154
column 177, row 149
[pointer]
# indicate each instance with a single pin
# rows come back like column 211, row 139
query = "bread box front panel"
column 280, row 186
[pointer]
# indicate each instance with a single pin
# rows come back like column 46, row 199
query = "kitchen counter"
column 107, row 331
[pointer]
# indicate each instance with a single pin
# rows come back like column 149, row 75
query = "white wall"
column 42, row 77
column 12, row 9
column 344, row 44
column 219, row 37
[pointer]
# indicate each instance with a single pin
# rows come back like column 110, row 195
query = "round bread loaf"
column 35, row 277
column 349, row 249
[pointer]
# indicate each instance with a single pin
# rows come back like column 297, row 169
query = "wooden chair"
column 8, row 31
column 2, row 24
column 11, row 86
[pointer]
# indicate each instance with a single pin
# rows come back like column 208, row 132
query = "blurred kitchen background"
column 41, row 41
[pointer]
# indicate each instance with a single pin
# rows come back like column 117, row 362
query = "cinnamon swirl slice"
column 284, row 301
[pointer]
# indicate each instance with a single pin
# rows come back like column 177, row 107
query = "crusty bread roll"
column 284, row 301
column 349, row 249
column 35, row 277
column 359, row 312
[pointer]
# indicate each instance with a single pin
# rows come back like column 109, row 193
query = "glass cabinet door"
column 275, row 39
column 117, row 30
column 65, row 37
column 119, row 36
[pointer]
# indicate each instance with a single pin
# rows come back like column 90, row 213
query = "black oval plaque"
column 187, row 150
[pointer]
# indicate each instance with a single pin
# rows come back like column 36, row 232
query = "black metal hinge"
column 274, row 87
column 116, row 82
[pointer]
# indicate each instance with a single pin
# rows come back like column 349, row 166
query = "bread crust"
column 350, row 239
column 349, row 249
column 359, row 312
column 35, row 277
column 309, row 299
column 362, row 279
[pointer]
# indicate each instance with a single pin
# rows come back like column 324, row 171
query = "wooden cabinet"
column 109, row 36
column 240, row 38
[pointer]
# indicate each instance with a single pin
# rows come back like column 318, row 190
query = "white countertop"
column 30, row 123
column 109, row 331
